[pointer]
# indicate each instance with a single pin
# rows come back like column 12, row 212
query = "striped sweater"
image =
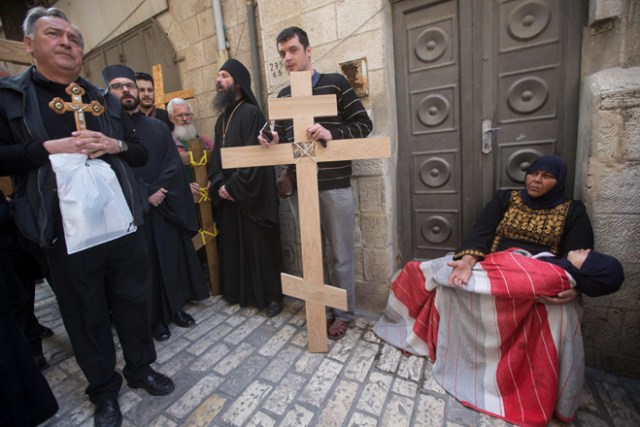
column 352, row 121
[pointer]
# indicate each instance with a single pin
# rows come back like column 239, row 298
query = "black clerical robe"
column 249, row 240
column 177, row 272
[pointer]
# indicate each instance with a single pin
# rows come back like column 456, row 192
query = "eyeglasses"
column 118, row 86
column 183, row 115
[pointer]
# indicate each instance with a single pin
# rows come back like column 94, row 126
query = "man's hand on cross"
column 319, row 133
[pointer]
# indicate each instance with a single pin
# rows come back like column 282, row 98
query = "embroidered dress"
column 506, row 222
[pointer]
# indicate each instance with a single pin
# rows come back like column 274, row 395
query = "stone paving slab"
column 237, row 367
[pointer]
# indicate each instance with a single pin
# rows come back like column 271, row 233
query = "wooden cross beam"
column 75, row 91
column 13, row 51
column 303, row 107
column 162, row 99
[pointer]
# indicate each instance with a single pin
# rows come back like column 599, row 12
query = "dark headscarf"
column 558, row 168
column 241, row 77
column 599, row 275
column 117, row 70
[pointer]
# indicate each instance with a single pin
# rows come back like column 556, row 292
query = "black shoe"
column 274, row 309
column 155, row 383
column 41, row 362
column 108, row 414
column 183, row 319
column 161, row 332
column 45, row 332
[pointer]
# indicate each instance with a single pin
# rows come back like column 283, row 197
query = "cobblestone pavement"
column 237, row 367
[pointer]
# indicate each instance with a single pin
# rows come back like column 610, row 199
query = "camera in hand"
column 266, row 132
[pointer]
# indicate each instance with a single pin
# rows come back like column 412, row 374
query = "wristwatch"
column 122, row 145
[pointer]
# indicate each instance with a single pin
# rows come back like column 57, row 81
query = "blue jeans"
column 337, row 225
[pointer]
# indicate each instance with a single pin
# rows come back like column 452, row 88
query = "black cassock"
column 249, row 240
column 168, row 228
column 25, row 396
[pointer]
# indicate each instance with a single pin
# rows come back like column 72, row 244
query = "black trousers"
column 95, row 287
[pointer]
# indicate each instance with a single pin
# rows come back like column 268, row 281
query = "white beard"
column 186, row 133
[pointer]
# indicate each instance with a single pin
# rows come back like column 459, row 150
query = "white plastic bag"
column 93, row 207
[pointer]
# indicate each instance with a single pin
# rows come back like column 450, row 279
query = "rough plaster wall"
column 609, row 156
column 342, row 30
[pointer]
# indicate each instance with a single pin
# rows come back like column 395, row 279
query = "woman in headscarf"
column 538, row 218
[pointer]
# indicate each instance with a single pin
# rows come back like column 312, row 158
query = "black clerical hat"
column 242, row 78
column 117, row 70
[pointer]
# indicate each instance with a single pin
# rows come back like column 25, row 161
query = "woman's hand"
column 563, row 297
column 461, row 270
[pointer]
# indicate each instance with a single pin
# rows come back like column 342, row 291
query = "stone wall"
column 608, row 175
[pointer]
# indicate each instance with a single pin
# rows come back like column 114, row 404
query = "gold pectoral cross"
column 75, row 91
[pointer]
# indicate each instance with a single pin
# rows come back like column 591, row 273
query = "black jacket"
column 22, row 133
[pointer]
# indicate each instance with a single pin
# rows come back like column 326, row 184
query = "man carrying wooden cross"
column 336, row 199
column 104, row 284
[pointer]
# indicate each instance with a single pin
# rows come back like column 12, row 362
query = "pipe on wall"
column 253, row 41
column 223, row 54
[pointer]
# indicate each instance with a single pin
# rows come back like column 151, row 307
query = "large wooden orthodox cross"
column 302, row 107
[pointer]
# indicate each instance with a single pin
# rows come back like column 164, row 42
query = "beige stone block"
column 210, row 46
column 613, row 188
column 239, row 41
column 603, row 9
column 190, row 29
column 165, row 20
column 185, row 9
column 368, row 167
column 206, row 23
column 357, row 230
column 231, row 13
column 194, row 56
column 356, row 16
column 276, row 11
column 196, row 81
column 378, row 103
column 358, row 264
column 606, row 134
column 178, row 38
column 324, row 33
column 370, row 45
column 376, row 265
column 631, row 135
column 602, row 51
column 355, row 189
column 371, row 296
column 310, row 5
column 209, row 74
column 617, row 235
column 371, row 194
column 374, row 230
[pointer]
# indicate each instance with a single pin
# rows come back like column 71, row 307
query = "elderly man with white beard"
column 181, row 115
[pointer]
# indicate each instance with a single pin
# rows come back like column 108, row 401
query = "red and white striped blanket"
column 495, row 349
